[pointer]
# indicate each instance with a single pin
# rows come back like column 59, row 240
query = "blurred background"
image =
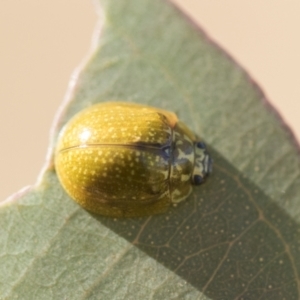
column 42, row 42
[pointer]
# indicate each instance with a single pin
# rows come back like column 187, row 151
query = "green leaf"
column 236, row 237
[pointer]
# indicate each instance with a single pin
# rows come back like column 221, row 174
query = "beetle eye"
column 197, row 179
column 201, row 145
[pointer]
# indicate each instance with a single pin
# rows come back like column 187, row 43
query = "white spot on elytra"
column 84, row 136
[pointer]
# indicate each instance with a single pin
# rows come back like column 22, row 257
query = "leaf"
column 236, row 237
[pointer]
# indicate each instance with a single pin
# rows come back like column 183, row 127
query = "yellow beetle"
column 128, row 160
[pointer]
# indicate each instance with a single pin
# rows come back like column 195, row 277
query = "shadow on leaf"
column 229, row 240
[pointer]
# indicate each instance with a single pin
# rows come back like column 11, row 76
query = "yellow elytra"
column 127, row 160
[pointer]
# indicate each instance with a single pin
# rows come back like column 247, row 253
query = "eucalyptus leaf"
column 236, row 237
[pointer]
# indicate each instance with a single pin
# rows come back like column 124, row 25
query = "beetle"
column 123, row 159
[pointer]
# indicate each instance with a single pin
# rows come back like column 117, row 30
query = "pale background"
column 43, row 41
